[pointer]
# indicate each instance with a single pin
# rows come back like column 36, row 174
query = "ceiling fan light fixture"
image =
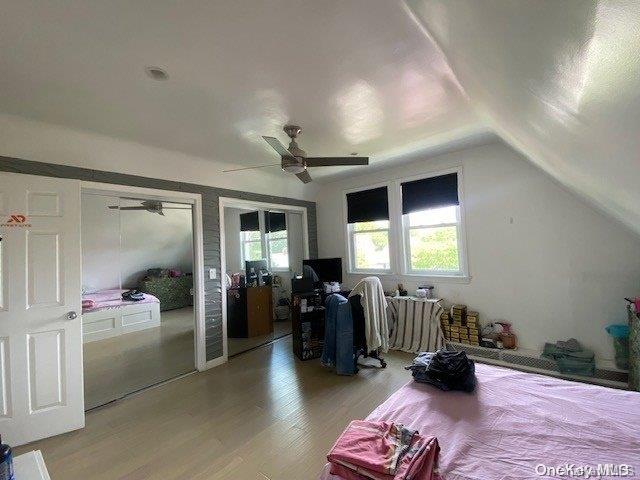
column 294, row 168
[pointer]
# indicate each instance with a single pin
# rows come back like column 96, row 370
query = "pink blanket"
column 383, row 451
column 110, row 299
column 520, row 426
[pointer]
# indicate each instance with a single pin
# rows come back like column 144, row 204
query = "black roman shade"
column 249, row 222
column 275, row 221
column 432, row 192
column 368, row 205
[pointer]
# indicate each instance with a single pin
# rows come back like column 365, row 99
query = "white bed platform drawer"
column 30, row 466
column 112, row 322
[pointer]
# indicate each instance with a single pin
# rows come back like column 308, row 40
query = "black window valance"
column 275, row 222
column 432, row 192
column 249, row 222
column 368, row 205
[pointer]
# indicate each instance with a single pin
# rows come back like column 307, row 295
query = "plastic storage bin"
column 620, row 334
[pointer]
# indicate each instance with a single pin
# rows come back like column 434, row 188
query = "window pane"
column 434, row 216
column 279, row 252
column 280, row 234
column 434, row 248
column 253, row 251
column 377, row 225
column 250, row 235
column 371, row 250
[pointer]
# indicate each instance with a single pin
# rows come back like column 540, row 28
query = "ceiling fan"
column 294, row 159
column 151, row 206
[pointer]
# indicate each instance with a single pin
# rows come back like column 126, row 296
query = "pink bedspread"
column 112, row 299
column 515, row 422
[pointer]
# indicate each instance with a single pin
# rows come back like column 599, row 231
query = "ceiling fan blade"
column 304, row 176
column 176, row 208
column 277, row 146
column 249, row 168
column 134, row 208
column 113, row 207
column 332, row 161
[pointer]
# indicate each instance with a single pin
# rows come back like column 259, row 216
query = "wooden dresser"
column 249, row 311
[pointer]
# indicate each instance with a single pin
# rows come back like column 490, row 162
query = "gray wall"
column 210, row 224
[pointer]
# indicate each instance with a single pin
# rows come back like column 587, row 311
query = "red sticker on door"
column 16, row 220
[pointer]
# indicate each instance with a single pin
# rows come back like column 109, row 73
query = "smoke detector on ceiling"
column 156, row 73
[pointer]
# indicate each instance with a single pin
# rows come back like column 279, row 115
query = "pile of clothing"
column 444, row 369
column 571, row 357
column 384, row 451
column 132, row 296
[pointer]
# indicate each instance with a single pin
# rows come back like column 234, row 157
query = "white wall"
column 119, row 246
column 150, row 240
column 232, row 239
column 43, row 142
column 100, row 243
column 539, row 256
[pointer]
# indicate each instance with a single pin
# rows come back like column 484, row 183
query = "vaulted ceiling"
column 559, row 81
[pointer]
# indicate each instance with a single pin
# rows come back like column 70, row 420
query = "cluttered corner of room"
column 461, row 325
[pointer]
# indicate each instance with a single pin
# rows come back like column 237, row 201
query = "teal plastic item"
column 618, row 331
column 620, row 334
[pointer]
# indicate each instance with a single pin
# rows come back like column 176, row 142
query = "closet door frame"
column 195, row 200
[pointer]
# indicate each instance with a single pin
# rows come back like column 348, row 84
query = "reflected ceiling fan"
column 151, row 206
column 294, row 159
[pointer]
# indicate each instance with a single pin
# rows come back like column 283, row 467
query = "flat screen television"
column 327, row 269
column 253, row 268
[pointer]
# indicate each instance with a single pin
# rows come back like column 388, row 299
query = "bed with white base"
column 111, row 316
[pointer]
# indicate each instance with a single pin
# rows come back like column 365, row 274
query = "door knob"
column 72, row 315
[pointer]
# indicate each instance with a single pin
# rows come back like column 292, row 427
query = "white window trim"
column 264, row 243
column 406, row 230
column 463, row 273
column 351, row 268
column 397, row 240
column 352, row 233
column 268, row 240
column 243, row 247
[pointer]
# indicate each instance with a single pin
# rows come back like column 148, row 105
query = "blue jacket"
column 338, row 349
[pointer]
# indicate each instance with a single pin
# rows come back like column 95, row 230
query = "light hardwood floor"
column 263, row 415
column 239, row 345
column 117, row 366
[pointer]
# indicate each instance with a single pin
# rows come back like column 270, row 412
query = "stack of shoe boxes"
column 460, row 325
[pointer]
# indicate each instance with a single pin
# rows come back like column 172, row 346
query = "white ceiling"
column 558, row 80
column 357, row 75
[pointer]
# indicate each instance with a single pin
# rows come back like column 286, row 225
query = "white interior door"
column 41, row 390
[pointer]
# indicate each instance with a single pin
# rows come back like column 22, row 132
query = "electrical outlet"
column 212, row 273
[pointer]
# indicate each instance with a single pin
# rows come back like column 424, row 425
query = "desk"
column 415, row 324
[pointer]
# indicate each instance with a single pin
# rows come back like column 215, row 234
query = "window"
column 276, row 240
column 368, row 229
column 431, row 237
column 251, row 245
column 431, row 226
column 250, row 237
column 419, row 233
